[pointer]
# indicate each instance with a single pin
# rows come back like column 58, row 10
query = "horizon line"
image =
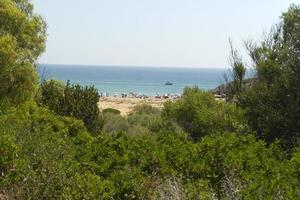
column 136, row 66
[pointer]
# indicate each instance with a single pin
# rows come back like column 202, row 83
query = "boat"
column 168, row 83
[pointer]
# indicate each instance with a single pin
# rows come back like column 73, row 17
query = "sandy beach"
column 126, row 105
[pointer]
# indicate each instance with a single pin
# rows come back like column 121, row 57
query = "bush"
column 48, row 148
column 200, row 114
column 74, row 101
column 52, row 94
column 114, row 123
column 111, row 110
column 8, row 152
column 59, row 160
column 145, row 109
column 241, row 167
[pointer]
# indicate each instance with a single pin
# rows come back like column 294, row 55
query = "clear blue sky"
column 192, row 33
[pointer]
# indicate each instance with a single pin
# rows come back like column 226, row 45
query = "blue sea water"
column 141, row 80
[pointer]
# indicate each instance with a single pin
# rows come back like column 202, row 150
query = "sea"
column 116, row 80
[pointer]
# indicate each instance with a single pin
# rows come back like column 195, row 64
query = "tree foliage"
column 22, row 40
column 272, row 101
column 74, row 101
column 195, row 148
column 236, row 74
column 200, row 114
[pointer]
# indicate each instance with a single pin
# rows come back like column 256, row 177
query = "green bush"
column 74, row 101
column 241, row 167
column 145, row 109
column 47, row 152
column 200, row 114
column 147, row 119
column 52, row 94
column 111, row 110
column 60, row 160
column 143, row 119
column 8, row 156
column 114, row 123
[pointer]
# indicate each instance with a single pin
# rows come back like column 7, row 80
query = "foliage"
column 8, row 152
column 52, row 94
column 45, row 153
column 111, row 110
column 200, row 114
column 58, row 159
column 47, row 148
column 241, row 167
column 143, row 120
column 145, row 109
column 236, row 74
column 144, row 116
column 114, row 123
column 272, row 101
column 148, row 120
column 22, row 40
column 74, row 101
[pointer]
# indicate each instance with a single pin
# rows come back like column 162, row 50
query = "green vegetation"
column 272, row 99
column 111, row 110
column 22, row 40
column 200, row 114
column 73, row 101
column 56, row 144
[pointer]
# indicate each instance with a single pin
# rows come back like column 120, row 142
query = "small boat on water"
column 168, row 83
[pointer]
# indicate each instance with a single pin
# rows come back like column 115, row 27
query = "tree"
column 74, row 101
column 272, row 101
column 22, row 40
column 52, row 92
column 236, row 74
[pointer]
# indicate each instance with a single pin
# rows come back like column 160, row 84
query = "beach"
column 126, row 105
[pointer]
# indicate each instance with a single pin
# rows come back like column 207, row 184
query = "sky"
column 171, row 33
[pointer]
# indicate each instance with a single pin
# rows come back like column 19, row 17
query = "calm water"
column 142, row 80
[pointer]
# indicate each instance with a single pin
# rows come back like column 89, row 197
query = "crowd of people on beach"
column 140, row 96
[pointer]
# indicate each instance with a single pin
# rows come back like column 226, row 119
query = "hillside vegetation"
column 56, row 144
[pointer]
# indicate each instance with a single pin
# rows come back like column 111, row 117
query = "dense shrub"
column 45, row 153
column 145, row 119
column 221, row 166
column 8, row 152
column 52, row 94
column 145, row 109
column 74, row 101
column 58, row 159
column 272, row 100
column 111, row 110
column 47, row 150
column 200, row 114
column 241, row 167
column 114, row 123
